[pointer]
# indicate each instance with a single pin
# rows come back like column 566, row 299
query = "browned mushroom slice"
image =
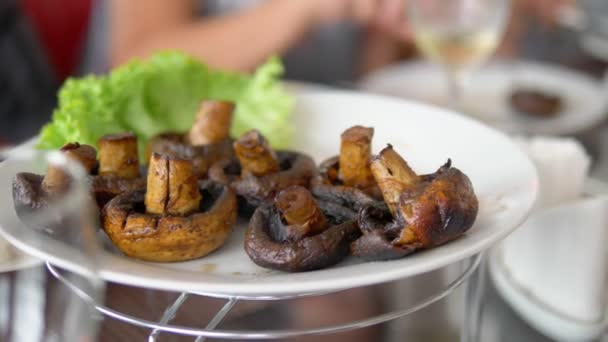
column 207, row 142
column 301, row 236
column 421, row 211
column 173, row 220
column 118, row 167
column 33, row 191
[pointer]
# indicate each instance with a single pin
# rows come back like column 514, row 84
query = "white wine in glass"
column 459, row 35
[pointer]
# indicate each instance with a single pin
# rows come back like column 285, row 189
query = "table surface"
column 439, row 322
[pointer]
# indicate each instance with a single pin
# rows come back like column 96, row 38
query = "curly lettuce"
column 163, row 94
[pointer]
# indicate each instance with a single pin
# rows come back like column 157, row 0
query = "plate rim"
column 261, row 288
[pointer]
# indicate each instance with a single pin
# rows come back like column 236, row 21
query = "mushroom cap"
column 202, row 156
column 328, row 175
column 296, row 169
column 310, row 253
column 166, row 238
column 440, row 209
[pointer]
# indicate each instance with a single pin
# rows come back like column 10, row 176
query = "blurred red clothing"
column 61, row 26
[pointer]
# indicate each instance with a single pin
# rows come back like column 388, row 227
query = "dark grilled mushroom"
column 421, row 212
column 207, row 142
column 34, row 191
column 173, row 219
column 260, row 173
column 119, row 169
column 296, row 234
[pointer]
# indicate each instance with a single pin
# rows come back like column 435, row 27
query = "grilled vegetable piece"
column 207, row 142
column 255, row 155
column 300, row 212
column 351, row 169
column 56, row 179
column 119, row 169
column 315, row 235
column 355, row 153
column 34, row 191
column 293, row 169
column 421, row 211
column 212, row 123
column 181, row 221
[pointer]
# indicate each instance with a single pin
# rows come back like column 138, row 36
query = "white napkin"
column 559, row 255
column 562, row 165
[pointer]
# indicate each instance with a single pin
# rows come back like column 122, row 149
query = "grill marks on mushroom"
column 422, row 211
column 172, row 227
column 295, row 234
column 207, row 142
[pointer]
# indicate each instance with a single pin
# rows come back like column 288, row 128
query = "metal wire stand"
column 163, row 325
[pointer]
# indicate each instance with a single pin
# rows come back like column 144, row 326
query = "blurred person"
column 39, row 47
column 320, row 40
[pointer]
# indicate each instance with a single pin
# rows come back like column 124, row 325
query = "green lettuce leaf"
column 163, row 94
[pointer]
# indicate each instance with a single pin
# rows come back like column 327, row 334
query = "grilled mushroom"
column 174, row 219
column 259, row 173
column 298, row 233
column 421, row 212
column 34, row 191
column 347, row 179
column 118, row 167
column 207, row 142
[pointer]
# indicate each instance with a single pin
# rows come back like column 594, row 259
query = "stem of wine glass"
column 456, row 82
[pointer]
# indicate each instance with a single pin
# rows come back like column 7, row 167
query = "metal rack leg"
column 219, row 316
column 168, row 315
column 473, row 304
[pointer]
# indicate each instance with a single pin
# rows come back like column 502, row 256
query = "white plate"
column 18, row 261
column 486, row 95
column 503, row 177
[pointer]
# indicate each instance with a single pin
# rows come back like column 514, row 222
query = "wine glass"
column 34, row 306
column 459, row 35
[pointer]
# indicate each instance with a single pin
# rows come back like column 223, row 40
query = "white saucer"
column 537, row 313
column 486, row 95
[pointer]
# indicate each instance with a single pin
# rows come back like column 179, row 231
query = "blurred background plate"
column 504, row 179
column 486, row 95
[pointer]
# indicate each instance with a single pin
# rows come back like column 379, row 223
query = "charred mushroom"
column 347, row 179
column 118, row 167
column 297, row 233
column 34, row 191
column 259, row 173
column 207, row 142
column 174, row 219
column 421, row 212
